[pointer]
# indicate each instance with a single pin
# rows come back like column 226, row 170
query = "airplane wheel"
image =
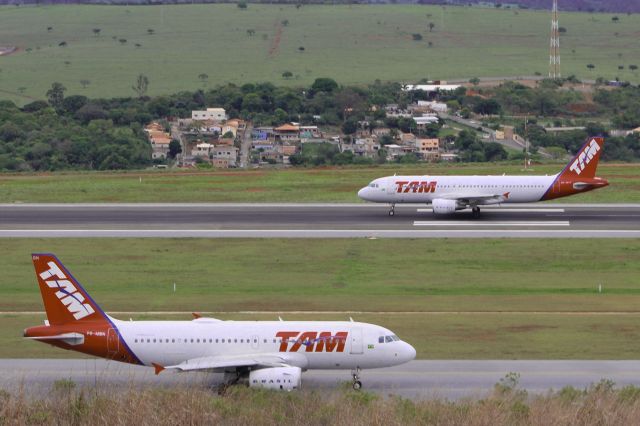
column 475, row 212
column 391, row 213
column 357, row 385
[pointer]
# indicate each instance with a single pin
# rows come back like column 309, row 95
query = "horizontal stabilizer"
column 68, row 338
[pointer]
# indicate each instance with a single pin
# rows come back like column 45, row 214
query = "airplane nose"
column 362, row 193
column 410, row 352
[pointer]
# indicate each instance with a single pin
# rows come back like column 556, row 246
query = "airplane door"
column 356, row 341
column 113, row 342
column 391, row 189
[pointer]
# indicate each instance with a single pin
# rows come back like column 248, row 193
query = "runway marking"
column 476, row 223
column 508, row 210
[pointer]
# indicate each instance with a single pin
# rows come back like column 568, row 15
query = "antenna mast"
column 554, row 46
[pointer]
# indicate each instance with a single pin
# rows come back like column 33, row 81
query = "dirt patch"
column 255, row 190
column 527, row 328
column 8, row 50
column 275, row 43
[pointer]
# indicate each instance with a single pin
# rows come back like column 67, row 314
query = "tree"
column 285, row 22
column 84, row 83
column 349, row 127
column 431, row 26
column 203, row 77
column 633, row 67
column 475, row 81
column 55, row 95
column 591, row 67
column 301, row 48
column 251, row 32
column 620, row 67
column 287, row 75
column 150, row 31
column 487, row 107
column 62, row 44
column 122, row 40
column 138, row 45
column 174, row 148
column 96, row 31
column 141, row 85
column 615, row 19
column 416, row 36
column 49, row 29
column 324, row 84
column 562, row 30
column 242, row 4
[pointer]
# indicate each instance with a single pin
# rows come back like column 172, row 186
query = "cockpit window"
column 388, row 339
column 396, row 338
column 373, row 185
column 381, row 339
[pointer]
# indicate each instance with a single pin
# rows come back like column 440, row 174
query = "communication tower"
column 554, row 46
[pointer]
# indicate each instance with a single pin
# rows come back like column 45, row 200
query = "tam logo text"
column 67, row 292
column 416, row 186
column 292, row 341
column 585, row 157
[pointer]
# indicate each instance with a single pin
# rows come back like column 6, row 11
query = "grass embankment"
column 600, row 404
column 189, row 40
column 290, row 185
column 455, row 299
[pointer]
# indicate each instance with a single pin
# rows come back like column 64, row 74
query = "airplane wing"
column 231, row 362
column 476, row 198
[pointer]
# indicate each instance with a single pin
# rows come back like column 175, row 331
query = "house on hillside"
column 287, row 132
column 428, row 149
column 159, row 140
column 218, row 114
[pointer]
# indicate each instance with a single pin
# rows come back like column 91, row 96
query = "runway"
column 315, row 221
column 417, row 379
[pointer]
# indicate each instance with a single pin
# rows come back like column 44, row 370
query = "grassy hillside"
column 353, row 44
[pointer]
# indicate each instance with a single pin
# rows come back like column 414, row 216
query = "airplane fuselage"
column 304, row 344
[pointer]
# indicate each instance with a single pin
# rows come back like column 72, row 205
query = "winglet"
column 196, row 315
column 158, row 368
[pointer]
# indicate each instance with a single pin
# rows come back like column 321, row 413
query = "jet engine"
column 279, row 378
column 442, row 206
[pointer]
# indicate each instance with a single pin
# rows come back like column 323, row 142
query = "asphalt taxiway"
column 290, row 220
column 417, row 379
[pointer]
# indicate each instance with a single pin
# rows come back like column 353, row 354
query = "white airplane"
column 450, row 193
column 267, row 354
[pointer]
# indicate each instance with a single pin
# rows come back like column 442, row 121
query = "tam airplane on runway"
column 450, row 193
column 268, row 354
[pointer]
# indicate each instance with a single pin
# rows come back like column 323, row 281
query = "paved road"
column 314, row 220
column 417, row 379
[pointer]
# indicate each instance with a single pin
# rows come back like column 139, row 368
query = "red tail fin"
column 585, row 163
column 64, row 298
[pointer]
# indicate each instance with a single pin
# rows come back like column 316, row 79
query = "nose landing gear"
column 475, row 212
column 357, row 384
column 392, row 211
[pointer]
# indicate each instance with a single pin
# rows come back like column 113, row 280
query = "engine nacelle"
column 442, row 206
column 279, row 378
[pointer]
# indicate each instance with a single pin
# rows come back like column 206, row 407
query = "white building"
column 210, row 114
column 433, row 106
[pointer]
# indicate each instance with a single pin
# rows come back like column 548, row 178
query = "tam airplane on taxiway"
column 448, row 194
column 267, row 354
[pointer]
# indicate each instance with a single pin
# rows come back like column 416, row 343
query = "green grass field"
column 504, row 299
column 353, row 44
column 290, row 185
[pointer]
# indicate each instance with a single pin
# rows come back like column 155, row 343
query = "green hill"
column 352, row 44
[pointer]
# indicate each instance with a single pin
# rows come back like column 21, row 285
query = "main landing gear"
column 357, row 384
column 475, row 212
column 392, row 211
